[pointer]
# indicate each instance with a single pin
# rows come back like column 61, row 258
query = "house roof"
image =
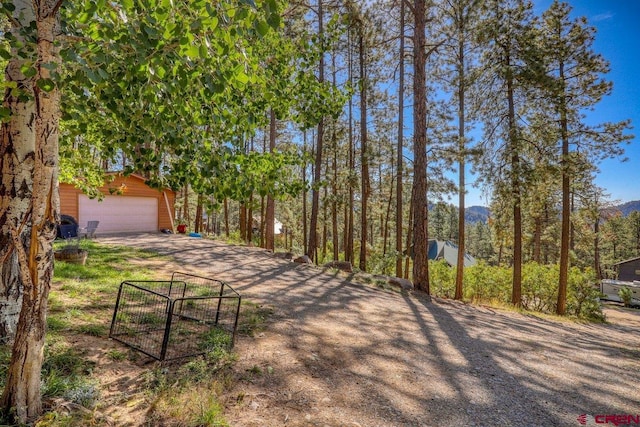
column 120, row 174
column 444, row 249
column 627, row 260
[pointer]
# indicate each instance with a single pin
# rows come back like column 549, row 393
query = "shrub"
column 540, row 287
column 442, row 279
column 625, row 295
column 485, row 283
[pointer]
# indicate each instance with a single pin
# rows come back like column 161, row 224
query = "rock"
column 284, row 255
column 401, row 283
column 304, row 259
column 340, row 265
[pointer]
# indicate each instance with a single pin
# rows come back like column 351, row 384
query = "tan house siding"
column 132, row 185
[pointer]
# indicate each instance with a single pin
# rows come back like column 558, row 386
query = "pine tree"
column 420, row 187
column 508, row 37
column 574, row 84
column 461, row 19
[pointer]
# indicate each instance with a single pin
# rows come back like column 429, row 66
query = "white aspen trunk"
column 17, row 153
column 31, row 229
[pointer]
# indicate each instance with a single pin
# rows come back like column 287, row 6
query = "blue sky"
column 618, row 40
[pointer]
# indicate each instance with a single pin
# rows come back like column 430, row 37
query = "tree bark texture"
column 514, row 147
column 565, row 233
column 312, row 247
column 270, row 214
column 400, row 144
column 596, row 248
column 419, row 193
column 364, row 156
column 461, row 156
column 29, row 208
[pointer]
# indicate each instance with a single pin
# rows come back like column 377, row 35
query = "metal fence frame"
column 171, row 300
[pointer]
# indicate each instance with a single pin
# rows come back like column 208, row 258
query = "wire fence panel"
column 185, row 316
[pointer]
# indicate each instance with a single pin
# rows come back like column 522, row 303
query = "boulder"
column 284, row 255
column 340, row 265
column 401, row 283
column 304, row 259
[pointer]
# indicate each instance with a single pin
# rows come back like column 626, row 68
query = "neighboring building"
column 628, row 270
column 257, row 225
column 129, row 205
column 448, row 251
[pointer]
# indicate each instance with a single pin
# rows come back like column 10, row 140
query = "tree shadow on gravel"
column 344, row 352
column 534, row 371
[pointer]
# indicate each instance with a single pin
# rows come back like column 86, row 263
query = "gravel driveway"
column 341, row 354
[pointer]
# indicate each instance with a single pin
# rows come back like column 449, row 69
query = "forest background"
column 364, row 159
column 301, row 112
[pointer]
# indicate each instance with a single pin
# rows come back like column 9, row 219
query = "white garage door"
column 119, row 214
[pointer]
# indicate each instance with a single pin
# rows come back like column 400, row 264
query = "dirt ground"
column 336, row 353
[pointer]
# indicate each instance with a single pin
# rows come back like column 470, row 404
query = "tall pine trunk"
column 537, row 239
column 226, row 217
column 565, row 233
column 364, row 157
column 29, row 208
column 334, row 168
column 419, row 196
column 185, row 206
column 596, row 248
column 516, row 292
column 385, row 221
column 304, row 194
column 270, row 214
column 317, row 176
column 461, row 158
column 334, row 202
column 349, row 226
column 199, row 208
column 409, row 244
column 399, row 166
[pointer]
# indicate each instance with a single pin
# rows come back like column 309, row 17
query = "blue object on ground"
column 198, row 235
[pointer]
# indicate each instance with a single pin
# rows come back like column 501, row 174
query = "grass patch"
column 93, row 330
column 253, row 318
column 57, row 324
column 105, row 265
column 66, row 373
column 5, row 358
column 196, row 406
column 186, row 394
column 81, row 302
column 116, row 355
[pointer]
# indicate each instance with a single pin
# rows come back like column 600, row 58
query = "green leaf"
column 272, row 6
column 193, row 51
column 28, row 70
column 274, row 20
column 94, row 77
column 262, row 27
column 5, row 113
column 5, row 54
column 203, row 51
column 46, row 85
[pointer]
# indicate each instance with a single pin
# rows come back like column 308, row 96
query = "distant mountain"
column 475, row 214
column 627, row 208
